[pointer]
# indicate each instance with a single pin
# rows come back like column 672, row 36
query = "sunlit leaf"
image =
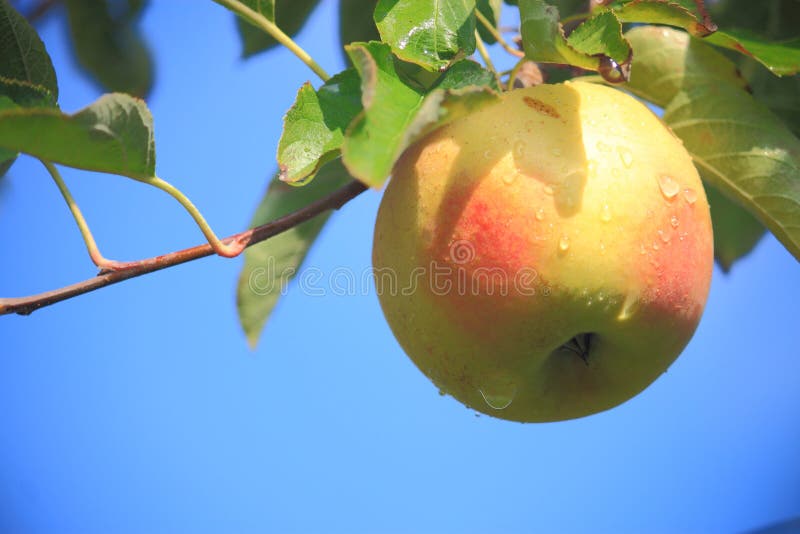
column 428, row 33
column 744, row 150
column 782, row 58
column 113, row 135
column 314, row 127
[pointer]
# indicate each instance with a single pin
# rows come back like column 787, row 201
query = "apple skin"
column 546, row 257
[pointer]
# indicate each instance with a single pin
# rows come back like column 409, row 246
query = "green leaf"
column 108, row 45
column 666, row 60
column 781, row 58
column 429, row 33
column 23, row 57
column 597, row 44
column 736, row 232
column 781, row 95
column 601, row 34
column 26, row 94
column 7, row 157
column 113, row 135
column 314, row 127
column 491, row 10
column 743, row 149
column 396, row 114
column 357, row 22
column 685, row 14
column 288, row 15
column 269, row 266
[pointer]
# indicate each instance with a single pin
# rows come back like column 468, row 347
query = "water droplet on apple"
column 519, row 148
column 664, row 236
column 655, row 246
column 626, row 156
column 674, row 221
column 613, row 72
column 591, row 167
column 540, row 214
column 500, row 394
column 563, row 243
column 690, row 195
column 548, row 190
column 603, row 147
column 486, row 154
column 605, row 213
column 642, row 250
column 669, row 187
column 602, row 248
column 509, row 178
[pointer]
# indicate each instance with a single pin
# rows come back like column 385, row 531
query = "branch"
column 40, row 10
column 334, row 201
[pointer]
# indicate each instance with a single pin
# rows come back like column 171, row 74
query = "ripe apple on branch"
column 569, row 223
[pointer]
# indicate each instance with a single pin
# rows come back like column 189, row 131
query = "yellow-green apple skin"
column 546, row 257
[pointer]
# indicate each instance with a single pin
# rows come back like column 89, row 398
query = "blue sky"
column 139, row 408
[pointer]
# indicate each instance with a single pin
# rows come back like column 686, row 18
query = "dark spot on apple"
column 580, row 345
column 541, row 107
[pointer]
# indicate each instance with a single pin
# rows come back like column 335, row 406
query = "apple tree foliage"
column 724, row 72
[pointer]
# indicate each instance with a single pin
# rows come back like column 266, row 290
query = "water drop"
column 601, row 297
column 486, row 154
column 602, row 248
column 664, row 236
column 605, row 213
column 540, row 214
column 603, row 147
column 548, row 190
column 591, row 167
column 642, row 250
column 613, row 72
column 563, row 243
column 509, row 178
column 674, row 221
column 519, row 148
column 669, row 187
column 626, row 156
column 690, row 195
column 655, row 246
column 499, row 395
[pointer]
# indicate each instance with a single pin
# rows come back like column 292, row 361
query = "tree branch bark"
column 334, row 201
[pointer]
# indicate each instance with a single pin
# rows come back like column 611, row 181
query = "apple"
column 546, row 257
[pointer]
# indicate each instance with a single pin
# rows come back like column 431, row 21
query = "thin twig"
column 40, row 10
column 497, row 36
column 487, row 59
column 27, row 305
